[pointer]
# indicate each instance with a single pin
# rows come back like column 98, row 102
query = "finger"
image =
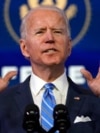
column 9, row 76
column 86, row 74
column 98, row 74
column 99, row 69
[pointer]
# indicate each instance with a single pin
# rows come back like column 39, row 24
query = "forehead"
column 45, row 16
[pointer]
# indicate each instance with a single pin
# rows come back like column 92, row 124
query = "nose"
column 49, row 37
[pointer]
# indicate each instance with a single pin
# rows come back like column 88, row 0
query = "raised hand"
column 5, row 80
column 93, row 83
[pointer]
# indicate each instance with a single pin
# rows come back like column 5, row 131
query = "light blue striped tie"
column 48, row 104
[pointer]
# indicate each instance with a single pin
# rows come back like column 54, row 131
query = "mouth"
column 50, row 51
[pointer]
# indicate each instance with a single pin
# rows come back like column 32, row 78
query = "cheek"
column 65, row 49
column 32, row 45
column 34, row 51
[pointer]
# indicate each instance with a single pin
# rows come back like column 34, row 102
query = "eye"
column 39, row 32
column 58, row 31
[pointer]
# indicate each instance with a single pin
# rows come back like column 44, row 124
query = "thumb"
column 86, row 74
column 9, row 76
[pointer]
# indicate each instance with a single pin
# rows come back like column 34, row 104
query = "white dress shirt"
column 60, row 90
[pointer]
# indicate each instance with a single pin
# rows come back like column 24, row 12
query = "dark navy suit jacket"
column 80, row 102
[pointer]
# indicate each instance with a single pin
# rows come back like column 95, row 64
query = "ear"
column 23, row 47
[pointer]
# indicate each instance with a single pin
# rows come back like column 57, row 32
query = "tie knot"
column 49, row 86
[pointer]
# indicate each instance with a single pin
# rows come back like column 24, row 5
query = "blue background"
column 85, row 52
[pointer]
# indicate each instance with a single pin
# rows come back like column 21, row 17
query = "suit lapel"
column 23, row 95
column 74, row 101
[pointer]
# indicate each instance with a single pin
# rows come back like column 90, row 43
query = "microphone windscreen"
column 31, row 118
column 61, row 118
column 32, row 109
column 60, row 110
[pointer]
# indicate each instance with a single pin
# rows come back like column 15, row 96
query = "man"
column 46, row 43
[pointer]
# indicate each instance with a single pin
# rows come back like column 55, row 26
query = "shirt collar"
column 37, row 83
column 61, row 83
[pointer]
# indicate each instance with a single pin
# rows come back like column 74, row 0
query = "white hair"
column 23, row 27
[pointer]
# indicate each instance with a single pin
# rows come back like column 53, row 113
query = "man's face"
column 46, row 42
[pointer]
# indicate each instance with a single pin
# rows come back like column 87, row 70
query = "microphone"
column 61, row 118
column 31, row 119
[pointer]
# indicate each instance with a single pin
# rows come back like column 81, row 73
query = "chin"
column 53, row 63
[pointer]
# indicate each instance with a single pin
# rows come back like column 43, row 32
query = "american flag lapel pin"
column 77, row 98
